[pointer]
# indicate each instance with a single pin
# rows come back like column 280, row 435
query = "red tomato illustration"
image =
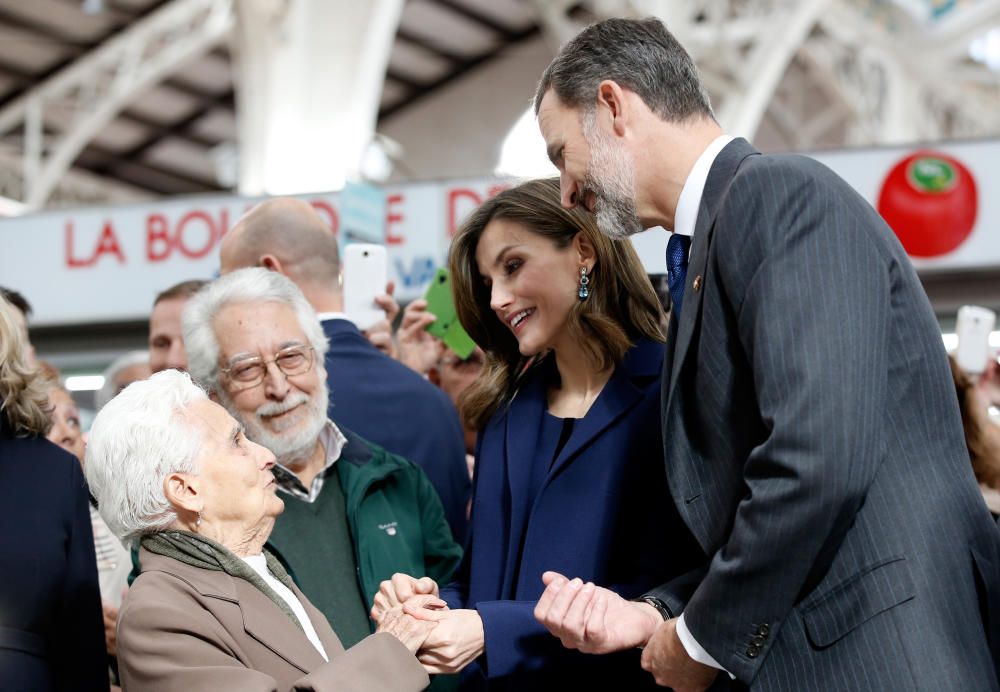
column 930, row 201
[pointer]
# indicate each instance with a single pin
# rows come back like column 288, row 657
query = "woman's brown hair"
column 622, row 306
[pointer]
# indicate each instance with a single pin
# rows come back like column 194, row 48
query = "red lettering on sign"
column 324, row 209
column 392, row 217
column 497, row 189
column 107, row 244
column 181, row 237
column 158, row 245
column 453, row 198
column 71, row 261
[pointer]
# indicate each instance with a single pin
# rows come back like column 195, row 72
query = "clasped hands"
column 596, row 620
column 454, row 638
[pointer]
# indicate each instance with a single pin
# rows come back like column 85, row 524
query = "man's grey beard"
column 287, row 449
column 611, row 178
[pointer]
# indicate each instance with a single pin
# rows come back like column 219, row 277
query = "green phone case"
column 446, row 327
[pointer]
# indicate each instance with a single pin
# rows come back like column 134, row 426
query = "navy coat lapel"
column 618, row 397
column 524, row 423
column 719, row 177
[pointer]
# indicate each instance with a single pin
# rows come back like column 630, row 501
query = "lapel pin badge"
column 696, row 284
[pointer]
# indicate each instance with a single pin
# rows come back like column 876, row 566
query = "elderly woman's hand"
column 410, row 631
column 393, row 592
column 458, row 639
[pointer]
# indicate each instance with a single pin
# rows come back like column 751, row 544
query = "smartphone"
column 446, row 327
column 973, row 328
column 365, row 276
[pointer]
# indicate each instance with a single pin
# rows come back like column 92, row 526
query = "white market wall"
column 106, row 265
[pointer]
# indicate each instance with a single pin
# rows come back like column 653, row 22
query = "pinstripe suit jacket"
column 814, row 448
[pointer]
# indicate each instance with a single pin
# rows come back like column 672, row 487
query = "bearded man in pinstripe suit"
column 812, row 438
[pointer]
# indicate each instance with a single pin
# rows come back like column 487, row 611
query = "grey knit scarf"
column 204, row 553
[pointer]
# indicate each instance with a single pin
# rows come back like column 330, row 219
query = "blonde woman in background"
column 50, row 606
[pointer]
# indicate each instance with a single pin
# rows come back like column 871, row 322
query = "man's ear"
column 183, row 491
column 271, row 263
column 612, row 97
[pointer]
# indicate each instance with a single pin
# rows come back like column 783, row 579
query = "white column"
column 310, row 76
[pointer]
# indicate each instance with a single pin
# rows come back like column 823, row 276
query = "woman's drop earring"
column 584, row 291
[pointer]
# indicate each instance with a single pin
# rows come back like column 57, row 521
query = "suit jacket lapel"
column 719, row 177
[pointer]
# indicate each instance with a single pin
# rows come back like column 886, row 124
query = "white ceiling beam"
column 97, row 86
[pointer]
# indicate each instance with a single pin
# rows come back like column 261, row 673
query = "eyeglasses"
column 250, row 372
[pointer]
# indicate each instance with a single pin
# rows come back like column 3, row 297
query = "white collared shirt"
column 333, row 442
column 259, row 565
column 686, row 214
column 685, row 219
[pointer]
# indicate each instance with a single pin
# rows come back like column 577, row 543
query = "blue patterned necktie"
column 677, row 269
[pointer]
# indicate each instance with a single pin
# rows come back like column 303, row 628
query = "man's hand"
column 418, row 349
column 593, row 619
column 458, row 639
column 667, row 659
column 110, row 628
column 393, row 592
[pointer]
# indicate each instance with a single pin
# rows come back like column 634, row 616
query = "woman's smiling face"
column 533, row 283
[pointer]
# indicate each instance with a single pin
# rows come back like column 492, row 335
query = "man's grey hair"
column 139, row 438
column 251, row 285
column 110, row 388
column 639, row 54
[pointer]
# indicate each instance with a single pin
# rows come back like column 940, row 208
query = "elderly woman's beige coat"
column 188, row 629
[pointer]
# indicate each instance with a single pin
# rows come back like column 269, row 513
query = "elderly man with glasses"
column 354, row 513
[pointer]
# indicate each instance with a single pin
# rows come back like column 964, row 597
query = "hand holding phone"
column 365, row 270
column 973, row 327
column 446, row 327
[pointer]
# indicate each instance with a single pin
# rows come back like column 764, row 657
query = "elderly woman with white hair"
column 212, row 609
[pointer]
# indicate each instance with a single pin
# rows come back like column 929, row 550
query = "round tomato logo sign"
column 930, row 201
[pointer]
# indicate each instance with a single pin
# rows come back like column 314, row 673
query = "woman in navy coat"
column 569, row 458
column 51, row 629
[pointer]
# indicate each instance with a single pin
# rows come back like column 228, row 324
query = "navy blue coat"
column 384, row 401
column 599, row 515
column 51, row 629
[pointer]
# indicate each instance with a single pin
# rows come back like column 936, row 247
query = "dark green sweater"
column 314, row 539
